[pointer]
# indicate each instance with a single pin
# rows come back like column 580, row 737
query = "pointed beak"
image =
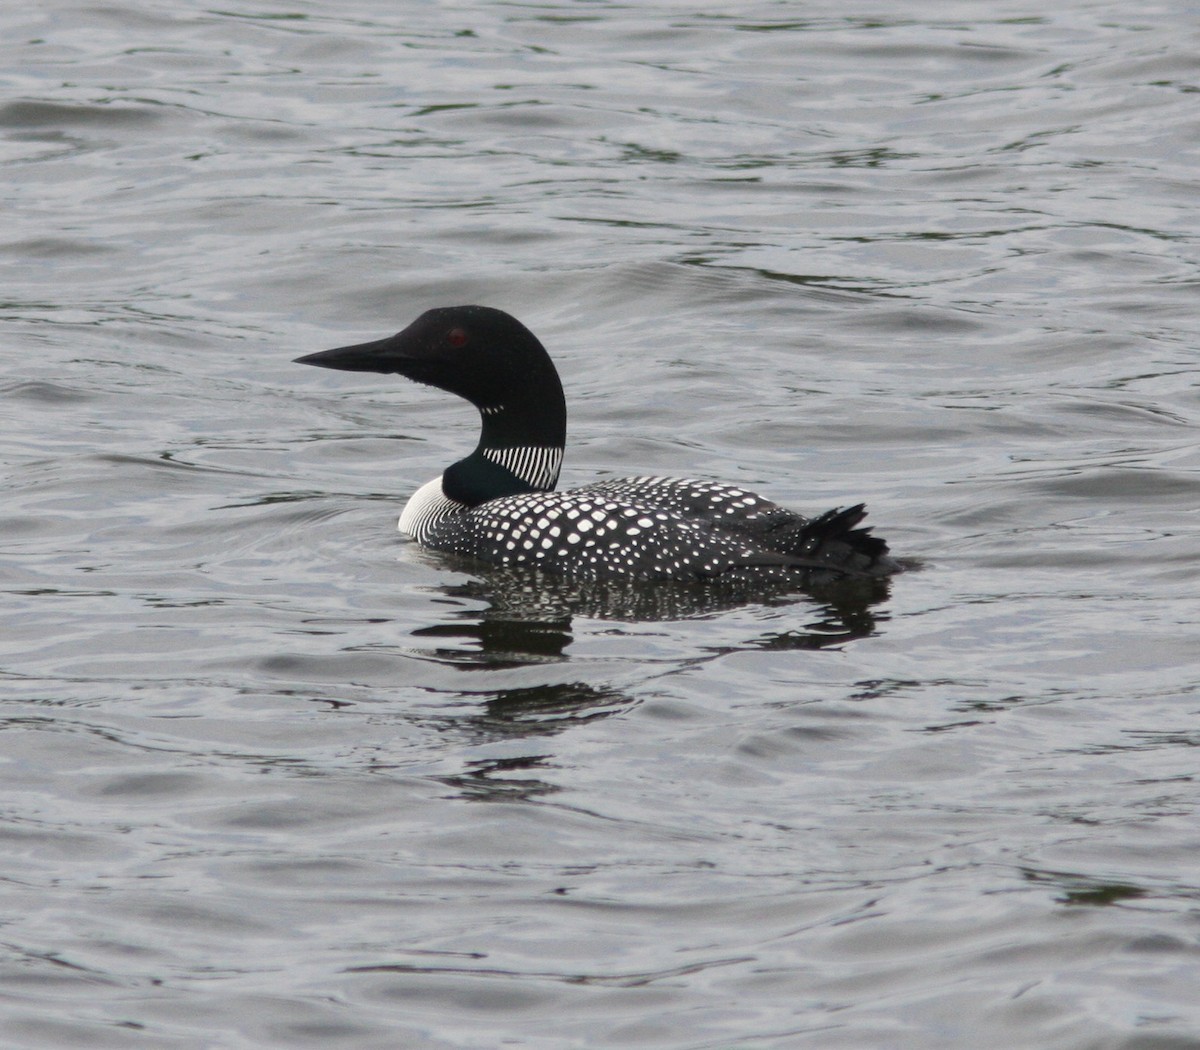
column 382, row 355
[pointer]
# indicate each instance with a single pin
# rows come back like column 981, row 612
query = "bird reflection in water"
column 528, row 615
column 527, row 620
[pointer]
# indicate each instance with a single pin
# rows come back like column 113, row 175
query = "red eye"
column 457, row 338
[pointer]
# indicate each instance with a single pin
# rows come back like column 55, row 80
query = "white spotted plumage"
column 637, row 528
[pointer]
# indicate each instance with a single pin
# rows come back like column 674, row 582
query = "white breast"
column 426, row 507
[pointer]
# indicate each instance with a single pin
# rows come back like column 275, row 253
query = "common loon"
column 498, row 505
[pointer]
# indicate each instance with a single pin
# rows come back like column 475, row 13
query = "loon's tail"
column 834, row 541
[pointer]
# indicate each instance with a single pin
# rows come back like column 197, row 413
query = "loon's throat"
column 520, row 448
column 489, row 473
column 532, row 417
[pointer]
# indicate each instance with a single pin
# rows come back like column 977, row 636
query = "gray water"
column 272, row 777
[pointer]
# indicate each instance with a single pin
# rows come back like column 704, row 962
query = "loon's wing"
column 729, row 506
column 831, row 539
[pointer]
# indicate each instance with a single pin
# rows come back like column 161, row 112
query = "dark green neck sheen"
column 477, row 479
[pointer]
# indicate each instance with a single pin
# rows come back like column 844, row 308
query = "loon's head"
column 477, row 352
column 496, row 363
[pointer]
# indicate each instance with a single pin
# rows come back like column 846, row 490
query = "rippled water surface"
column 271, row 777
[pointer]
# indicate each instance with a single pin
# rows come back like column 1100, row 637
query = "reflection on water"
column 1082, row 889
column 528, row 614
column 518, row 618
column 524, row 714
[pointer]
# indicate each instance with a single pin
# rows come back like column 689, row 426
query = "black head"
column 477, row 352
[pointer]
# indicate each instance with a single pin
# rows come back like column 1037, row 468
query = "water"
column 272, row 777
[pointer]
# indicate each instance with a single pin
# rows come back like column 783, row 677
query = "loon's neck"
column 530, row 415
column 520, row 448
